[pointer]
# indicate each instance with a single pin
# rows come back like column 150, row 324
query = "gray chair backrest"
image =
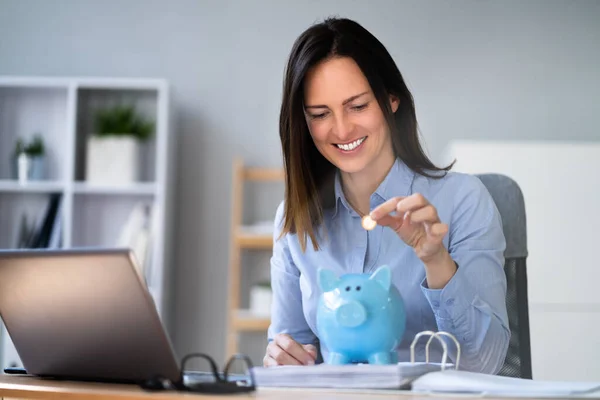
column 510, row 203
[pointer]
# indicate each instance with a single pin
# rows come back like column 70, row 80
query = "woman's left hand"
column 416, row 222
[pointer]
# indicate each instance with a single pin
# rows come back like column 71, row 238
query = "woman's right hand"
column 283, row 350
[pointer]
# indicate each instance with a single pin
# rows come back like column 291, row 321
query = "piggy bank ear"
column 383, row 276
column 326, row 279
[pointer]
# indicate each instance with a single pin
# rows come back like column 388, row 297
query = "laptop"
column 83, row 314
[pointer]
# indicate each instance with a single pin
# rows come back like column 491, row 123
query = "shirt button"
column 436, row 303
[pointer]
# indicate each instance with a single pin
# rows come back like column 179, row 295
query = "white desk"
column 20, row 387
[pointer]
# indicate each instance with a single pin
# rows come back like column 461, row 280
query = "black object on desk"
column 213, row 382
column 15, row 371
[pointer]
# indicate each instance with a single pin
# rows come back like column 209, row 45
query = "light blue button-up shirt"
column 472, row 304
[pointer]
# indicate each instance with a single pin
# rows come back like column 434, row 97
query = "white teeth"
column 351, row 146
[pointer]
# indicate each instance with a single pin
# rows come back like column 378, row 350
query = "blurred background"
column 121, row 123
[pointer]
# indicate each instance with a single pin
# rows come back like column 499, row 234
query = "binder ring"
column 437, row 334
column 442, row 342
column 433, row 335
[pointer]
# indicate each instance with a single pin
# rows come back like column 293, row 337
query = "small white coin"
column 368, row 223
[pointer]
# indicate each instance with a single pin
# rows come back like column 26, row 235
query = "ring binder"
column 395, row 376
column 435, row 335
column 418, row 378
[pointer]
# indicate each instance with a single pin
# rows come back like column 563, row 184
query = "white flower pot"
column 113, row 160
column 27, row 168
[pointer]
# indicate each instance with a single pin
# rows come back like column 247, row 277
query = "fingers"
column 385, row 215
column 439, row 230
column 294, row 349
column 414, row 209
column 385, row 208
column 280, row 356
column 399, row 206
column 411, row 203
column 310, row 349
column 426, row 214
column 286, row 351
column 392, row 221
column 269, row 361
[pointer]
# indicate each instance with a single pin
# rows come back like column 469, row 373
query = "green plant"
column 263, row 284
column 122, row 120
column 19, row 147
column 34, row 148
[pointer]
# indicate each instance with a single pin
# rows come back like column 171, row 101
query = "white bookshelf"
column 92, row 215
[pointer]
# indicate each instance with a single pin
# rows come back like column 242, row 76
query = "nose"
column 351, row 314
column 343, row 128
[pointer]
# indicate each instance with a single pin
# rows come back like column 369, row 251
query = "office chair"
column 510, row 203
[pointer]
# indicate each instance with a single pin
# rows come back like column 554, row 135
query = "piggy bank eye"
column 358, row 288
column 347, row 288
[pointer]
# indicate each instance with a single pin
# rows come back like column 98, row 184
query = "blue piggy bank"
column 360, row 317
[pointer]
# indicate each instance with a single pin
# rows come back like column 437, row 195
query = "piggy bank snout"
column 351, row 314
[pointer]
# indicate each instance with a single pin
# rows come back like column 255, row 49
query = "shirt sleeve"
column 472, row 305
column 286, row 310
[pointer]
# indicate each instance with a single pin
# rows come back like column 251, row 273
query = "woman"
column 351, row 149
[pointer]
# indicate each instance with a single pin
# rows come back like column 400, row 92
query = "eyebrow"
column 348, row 100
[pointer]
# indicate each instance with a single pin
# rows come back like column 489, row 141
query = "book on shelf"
column 137, row 232
column 421, row 377
column 46, row 232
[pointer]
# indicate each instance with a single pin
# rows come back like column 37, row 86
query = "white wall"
column 493, row 69
column 561, row 189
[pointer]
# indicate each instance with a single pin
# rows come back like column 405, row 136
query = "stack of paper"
column 452, row 381
column 418, row 378
column 351, row 376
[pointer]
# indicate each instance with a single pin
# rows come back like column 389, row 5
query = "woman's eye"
column 317, row 116
column 360, row 107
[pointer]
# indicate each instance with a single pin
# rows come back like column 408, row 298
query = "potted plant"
column 28, row 159
column 113, row 149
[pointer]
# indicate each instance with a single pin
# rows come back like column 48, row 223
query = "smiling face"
column 344, row 118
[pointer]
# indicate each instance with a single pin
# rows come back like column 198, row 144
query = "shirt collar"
column 398, row 182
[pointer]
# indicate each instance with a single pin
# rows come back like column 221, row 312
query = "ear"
column 394, row 103
column 326, row 279
column 383, row 276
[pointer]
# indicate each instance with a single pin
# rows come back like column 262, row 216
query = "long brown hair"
column 309, row 188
